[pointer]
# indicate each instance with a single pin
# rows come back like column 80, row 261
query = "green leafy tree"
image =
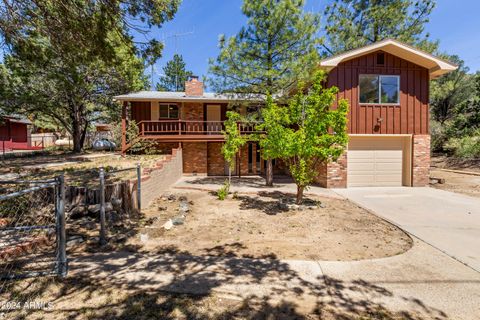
column 355, row 23
column 269, row 54
column 66, row 59
column 308, row 131
column 175, row 75
column 234, row 141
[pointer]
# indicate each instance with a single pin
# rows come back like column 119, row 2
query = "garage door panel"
column 388, row 154
column 361, row 166
column 375, row 162
column 388, row 178
column 362, row 155
column 388, row 166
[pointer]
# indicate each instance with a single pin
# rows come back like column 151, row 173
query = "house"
column 14, row 133
column 386, row 84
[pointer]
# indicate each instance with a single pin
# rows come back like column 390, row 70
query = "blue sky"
column 455, row 23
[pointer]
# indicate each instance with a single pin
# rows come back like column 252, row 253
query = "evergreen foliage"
column 175, row 75
column 354, row 23
column 271, row 52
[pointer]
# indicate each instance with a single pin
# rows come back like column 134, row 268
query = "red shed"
column 14, row 133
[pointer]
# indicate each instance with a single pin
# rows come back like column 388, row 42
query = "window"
column 380, row 59
column 168, row 111
column 376, row 89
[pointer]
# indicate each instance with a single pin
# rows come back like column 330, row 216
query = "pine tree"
column 355, row 23
column 269, row 54
column 450, row 91
column 175, row 75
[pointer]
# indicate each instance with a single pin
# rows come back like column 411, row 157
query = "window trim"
column 379, row 103
column 168, row 109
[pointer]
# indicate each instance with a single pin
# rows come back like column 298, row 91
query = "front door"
column 214, row 119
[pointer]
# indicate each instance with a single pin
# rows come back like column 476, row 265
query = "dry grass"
column 79, row 169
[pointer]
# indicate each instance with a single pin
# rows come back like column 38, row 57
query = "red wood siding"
column 141, row 110
column 410, row 117
column 13, row 136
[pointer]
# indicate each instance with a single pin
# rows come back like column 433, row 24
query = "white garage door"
column 375, row 162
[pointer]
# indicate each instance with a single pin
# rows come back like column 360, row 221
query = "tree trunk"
column 78, row 121
column 77, row 136
column 269, row 173
column 299, row 195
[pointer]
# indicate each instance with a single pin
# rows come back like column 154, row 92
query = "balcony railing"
column 189, row 127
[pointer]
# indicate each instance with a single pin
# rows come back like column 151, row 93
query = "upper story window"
column 168, row 111
column 377, row 89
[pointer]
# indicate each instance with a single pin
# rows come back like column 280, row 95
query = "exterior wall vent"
column 381, row 59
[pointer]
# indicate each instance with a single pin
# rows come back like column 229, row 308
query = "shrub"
column 439, row 136
column 467, row 147
column 222, row 193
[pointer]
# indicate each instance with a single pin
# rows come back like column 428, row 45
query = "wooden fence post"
column 139, row 187
column 62, row 265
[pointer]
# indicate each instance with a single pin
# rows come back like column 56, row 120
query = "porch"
column 182, row 117
column 188, row 130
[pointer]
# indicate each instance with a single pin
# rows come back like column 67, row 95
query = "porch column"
column 124, row 127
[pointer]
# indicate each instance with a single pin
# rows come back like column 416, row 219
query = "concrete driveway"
column 446, row 220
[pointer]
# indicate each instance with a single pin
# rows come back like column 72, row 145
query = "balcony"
column 188, row 130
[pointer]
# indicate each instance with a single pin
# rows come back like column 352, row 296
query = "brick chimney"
column 193, row 87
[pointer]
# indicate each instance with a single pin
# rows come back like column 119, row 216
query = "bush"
column 439, row 136
column 467, row 147
column 222, row 193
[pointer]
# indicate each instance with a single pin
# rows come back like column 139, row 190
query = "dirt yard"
column 262, row 226
column 467, row 184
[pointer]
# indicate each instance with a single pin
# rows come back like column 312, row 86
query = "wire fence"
column 32, row 230
column 41, row 219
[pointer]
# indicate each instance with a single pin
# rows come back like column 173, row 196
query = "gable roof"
column 435, row 65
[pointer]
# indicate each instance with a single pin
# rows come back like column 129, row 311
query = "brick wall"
column 421, row 160
column 194, row 87
column 195, row 158
column 333, row 174
column 159, row 178
column 166, row 148
column 216, row 162
column 243, row 160
column 192, row 111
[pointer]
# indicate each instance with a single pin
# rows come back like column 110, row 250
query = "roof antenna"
column 175, row 36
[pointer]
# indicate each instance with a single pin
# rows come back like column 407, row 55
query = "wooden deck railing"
column 188, row 127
